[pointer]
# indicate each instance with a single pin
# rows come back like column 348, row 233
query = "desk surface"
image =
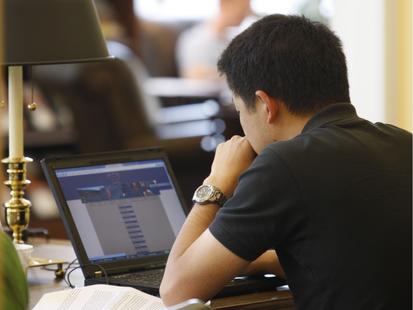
column 42, row 281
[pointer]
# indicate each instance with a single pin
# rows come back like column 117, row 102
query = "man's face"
column 253, row 122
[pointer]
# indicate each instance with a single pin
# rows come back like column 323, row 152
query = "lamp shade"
column 51, row 32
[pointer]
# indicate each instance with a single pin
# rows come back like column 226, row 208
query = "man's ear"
column 270, row 105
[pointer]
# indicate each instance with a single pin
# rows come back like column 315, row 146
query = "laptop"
column 122, row 212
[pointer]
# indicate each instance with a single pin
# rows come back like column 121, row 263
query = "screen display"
column 123, row 210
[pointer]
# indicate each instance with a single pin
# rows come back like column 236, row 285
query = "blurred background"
column 163, row 88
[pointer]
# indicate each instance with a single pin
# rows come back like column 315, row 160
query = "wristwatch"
column 209, row 194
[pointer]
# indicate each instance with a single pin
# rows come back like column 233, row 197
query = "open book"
column 107, row 297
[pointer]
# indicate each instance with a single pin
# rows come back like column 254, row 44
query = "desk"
column 42, row 281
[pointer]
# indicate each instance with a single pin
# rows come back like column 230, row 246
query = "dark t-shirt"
column 336, row 204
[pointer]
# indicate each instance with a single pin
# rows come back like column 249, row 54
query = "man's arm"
column 266, row 263
column 199, row 265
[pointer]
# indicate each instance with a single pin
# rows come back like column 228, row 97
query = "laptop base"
column 238, row 286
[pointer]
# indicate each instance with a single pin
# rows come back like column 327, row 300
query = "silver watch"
column 209, row 194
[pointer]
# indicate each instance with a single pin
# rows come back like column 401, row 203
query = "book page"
column 134, row 299
column 99, row 297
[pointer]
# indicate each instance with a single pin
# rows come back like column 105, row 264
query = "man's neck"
column 291, row 126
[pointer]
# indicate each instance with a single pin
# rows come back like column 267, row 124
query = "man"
column 328, row 194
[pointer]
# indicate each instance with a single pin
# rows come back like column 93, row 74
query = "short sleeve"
column 264, row 210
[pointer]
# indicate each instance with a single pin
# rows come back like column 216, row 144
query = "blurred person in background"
column 199, row 47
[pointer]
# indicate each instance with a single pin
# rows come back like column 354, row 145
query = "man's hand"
column 231, row 159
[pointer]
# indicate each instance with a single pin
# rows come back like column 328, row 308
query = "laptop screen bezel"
column 50, row 165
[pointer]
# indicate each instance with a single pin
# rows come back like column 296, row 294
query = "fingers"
column 231, row 159
column 239, row 140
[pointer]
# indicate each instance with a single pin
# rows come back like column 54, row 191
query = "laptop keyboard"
column 150, row 280
column 148, row 277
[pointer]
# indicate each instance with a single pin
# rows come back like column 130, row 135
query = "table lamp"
column 37, row 33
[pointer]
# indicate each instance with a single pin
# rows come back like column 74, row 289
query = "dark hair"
column 292, row 59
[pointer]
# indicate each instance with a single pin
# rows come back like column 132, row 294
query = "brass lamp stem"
column 17, row 209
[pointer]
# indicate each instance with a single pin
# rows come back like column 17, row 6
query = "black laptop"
column 122, row 212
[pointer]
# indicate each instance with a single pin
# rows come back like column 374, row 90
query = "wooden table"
column 42, row 281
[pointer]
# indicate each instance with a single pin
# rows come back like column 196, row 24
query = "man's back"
column 353, row 247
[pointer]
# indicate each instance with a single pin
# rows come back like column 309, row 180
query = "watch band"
column 220, row 197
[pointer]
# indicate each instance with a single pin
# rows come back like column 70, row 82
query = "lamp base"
column 17, row 211
column 41, row 262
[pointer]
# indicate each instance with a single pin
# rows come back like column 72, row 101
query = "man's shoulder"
column 395, row 131
column 342, row 134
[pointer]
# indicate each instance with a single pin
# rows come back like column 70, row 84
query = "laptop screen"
column 123, row 210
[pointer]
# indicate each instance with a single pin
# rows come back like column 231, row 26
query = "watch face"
column 203, row 193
